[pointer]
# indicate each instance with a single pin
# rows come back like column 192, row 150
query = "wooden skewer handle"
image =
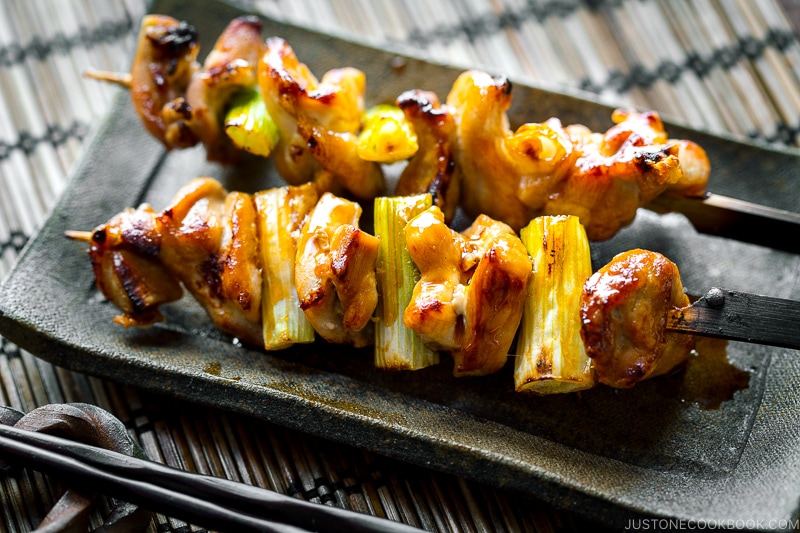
column 740, row 316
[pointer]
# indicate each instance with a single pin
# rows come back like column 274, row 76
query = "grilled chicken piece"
column 319, row 122
column 205, row 240
column 209, row 241
column 433, row 168
column 162, row 68
column 615, row 173
column 231, row 66
column 471, row 292
column 548, row 169
column 696, row 170
column 124, row 256
column 508, row 175
column 335, row 273
column 624, row 309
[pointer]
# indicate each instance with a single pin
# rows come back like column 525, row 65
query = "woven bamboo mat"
column 728, row 66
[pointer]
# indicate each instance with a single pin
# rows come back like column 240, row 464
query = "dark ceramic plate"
column 718, row 442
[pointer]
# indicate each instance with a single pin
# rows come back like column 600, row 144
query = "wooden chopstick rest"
column 200, row 499
column 90, row 425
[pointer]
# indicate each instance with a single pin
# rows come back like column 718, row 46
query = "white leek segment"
column 397, row 347
column 249, row 124
column 386, row 135
column 551, row 357
column 281, row 214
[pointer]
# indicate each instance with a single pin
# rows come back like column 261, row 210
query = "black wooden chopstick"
column 196, row 498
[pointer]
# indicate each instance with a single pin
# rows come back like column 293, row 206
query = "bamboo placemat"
column 729, row 66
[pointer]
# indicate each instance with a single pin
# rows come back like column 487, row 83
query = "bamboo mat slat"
column 729, row 66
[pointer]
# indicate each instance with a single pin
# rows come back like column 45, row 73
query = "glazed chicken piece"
column 206, row 240
column 696, row 170
column 162, row 68
column 615, row 173
column 548, row 169
column 335, row 272
column 471, row 292
column 319, row 121
column 210, row 242
column 624, row 308
column 507, row 175
column 231, row 66
column 124, row 255
column 433, row 168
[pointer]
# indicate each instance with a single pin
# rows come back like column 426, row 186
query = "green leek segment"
column 397, row 347
column 551, row 355
column 249, row 125
column 386, row 135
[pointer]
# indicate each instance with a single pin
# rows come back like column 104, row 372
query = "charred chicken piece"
column 162, row 68
column 210, row 242
column 335, row 272
column 124, row 255
column 471, row 292
column 319, row 122
column 624, row 308
column 548, row 169
column 507, row 175
column 231, row 66
column 205, row 240
column 433, row 168
column 696, row 170
column 615, row 173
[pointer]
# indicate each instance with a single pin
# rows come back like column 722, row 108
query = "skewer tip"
column 120, row 78
column 85, row 236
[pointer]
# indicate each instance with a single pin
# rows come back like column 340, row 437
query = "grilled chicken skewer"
column 474, row 289
column 467, row 153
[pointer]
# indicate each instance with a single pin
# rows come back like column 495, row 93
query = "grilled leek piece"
column 282, row 212
column 552, row 357
column 249, row 125
column 397, row 347
column 386, row 135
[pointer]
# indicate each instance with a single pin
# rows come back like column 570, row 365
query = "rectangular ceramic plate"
column 655, row 450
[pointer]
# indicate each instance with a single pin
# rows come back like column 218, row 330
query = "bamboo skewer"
column 123, row 79
column 85, row 236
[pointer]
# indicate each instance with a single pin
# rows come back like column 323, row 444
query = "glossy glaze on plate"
column 614, row 455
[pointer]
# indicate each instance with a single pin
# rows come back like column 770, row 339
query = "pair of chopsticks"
column 198, row 499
